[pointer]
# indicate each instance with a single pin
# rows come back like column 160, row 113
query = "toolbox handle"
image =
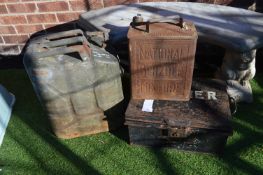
column 176, row 20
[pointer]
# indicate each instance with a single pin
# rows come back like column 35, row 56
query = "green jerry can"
column 75, row 82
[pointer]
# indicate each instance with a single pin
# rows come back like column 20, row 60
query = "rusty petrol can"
column 74, row 81
column 162, row 55
column 201, row 124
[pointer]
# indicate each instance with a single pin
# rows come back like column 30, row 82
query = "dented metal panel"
column 75, row 82
column 201, row 124
column 162, row 58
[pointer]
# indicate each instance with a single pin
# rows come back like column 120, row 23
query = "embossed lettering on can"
column 162, row 61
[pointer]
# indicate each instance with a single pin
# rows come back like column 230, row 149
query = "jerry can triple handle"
column 71, row 33
column 176, row 20
column 84, row 53
column 64, row 42
column 64, row 46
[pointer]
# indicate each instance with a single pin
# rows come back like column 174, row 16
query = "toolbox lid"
column 198, row 113
column 162, row 28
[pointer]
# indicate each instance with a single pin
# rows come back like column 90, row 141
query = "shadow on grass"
column 79, row 163
column 248, row 114
column 25, row 109
column 233, row 151
column 249, row 123
column 231, row 156
column 164, row 164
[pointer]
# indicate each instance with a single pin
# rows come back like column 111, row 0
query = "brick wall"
column 19, row 19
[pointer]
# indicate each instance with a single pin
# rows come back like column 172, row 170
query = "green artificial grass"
column 30, row 148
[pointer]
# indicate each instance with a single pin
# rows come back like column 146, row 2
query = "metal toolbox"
column 162, row 55
column 201, row 124
column 75, row 82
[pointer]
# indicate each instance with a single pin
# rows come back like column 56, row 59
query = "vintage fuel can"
column 201, row 124
column 75, row 82
column 162, row 55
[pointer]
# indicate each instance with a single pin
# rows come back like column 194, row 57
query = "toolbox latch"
column 181, row 132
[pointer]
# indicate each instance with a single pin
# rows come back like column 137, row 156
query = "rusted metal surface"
column 75, row 82
column 162, row 58
column 201, row 124
column 98, row 38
